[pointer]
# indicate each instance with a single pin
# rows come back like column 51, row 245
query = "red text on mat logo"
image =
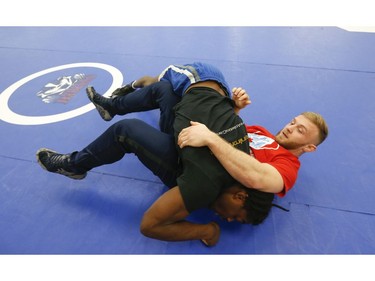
column 64, row 88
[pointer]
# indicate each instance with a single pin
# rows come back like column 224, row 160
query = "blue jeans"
column 158, row 95
column 155, row 149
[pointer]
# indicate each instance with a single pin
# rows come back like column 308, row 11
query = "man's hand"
column 215, row 237
column 197, row 135
column 240, row 98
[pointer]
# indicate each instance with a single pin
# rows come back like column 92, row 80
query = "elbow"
column 274, row 189
column 260, row 184
column 147, row 228
column 146, row 231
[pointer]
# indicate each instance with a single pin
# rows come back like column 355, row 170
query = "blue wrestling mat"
column 285, row 70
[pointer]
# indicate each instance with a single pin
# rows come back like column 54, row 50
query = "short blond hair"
column 319, row 121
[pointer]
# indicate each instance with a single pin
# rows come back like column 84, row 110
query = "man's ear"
column 309, row 148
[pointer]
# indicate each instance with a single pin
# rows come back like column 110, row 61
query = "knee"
column 162, row 89
column 165, row 85
column 124, row 126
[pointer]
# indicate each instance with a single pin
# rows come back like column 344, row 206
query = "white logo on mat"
column 7, row 115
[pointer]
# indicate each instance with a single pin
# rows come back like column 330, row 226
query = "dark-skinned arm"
column 165, row 220
column 145, row 81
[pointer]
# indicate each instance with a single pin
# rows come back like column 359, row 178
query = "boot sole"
column 102, row 112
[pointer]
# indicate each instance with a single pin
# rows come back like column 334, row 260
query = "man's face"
column 298, row 133
column 230, row 207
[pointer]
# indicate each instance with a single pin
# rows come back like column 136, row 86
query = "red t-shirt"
column 265, row 149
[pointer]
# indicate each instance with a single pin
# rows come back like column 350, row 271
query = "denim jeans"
column 155, row 149
column 158, row 95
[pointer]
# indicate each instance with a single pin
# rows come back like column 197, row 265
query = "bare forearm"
column 182, row 231
column 165, row 220
column 145, row 81
column 244, row 168
column 236, row 162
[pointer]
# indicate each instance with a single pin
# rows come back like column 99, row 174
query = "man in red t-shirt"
column 274, row 164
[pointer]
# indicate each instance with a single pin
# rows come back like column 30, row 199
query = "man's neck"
column 296, row 152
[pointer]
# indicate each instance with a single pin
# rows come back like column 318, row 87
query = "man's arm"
column 164, row 220
column 145, row 81
column 244, row 168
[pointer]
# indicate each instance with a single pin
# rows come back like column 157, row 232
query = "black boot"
column 102, row 104
column 58, row 163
